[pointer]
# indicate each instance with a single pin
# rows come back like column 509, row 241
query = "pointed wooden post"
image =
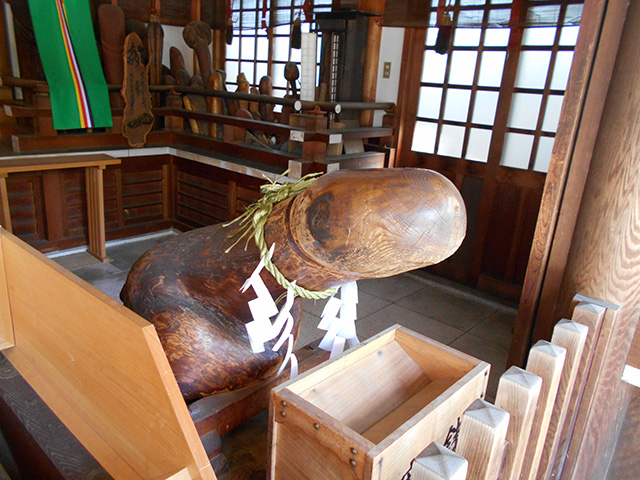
column 439, row 463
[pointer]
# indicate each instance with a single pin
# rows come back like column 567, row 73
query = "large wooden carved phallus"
column 347, row 225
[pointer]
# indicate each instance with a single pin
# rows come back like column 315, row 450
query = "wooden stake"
column 545, row 360
column 439, row 463
column 572, row 336
column 482, row 439
column 518, row 393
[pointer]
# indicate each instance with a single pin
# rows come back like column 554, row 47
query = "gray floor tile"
column 97, row 271
column 497, row 328
column 447, row 308
column 309, row 330
column 391, row 289
column 488, row 351
column 367, row 304
column 111, row 285
column 392, row 314
column 125, row 255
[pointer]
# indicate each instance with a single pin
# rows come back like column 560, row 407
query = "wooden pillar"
column 95, row 213
column 5, row 212
column 370, row 82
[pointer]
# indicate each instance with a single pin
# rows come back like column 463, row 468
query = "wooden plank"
column 590, row 315
column 55, row 162
column 599, row 408
column 572, row 336
column 482, row 439
column 591, row 71
column 95, row 213
column 545, row 360
column 100, row 368
column 5, row 211
column 7, row 338
column 439, row 463
column 518, row 392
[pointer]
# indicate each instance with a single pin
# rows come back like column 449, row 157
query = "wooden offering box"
column 370, row 411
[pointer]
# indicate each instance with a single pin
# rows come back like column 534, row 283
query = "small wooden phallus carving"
column 348, row 225
column 138, row 118
column 198, row 35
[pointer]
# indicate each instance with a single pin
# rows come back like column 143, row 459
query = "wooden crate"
column 369, row 412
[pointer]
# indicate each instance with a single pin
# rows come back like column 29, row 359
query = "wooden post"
column 439, row 463
column 370, row 80
column 5, row 211
column 545, row 360
column 7, row 338
column 518, row 392
column 95, row 213
column 571, row 336
column 482, row 439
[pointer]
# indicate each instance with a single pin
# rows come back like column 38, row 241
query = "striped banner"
column 67, row 46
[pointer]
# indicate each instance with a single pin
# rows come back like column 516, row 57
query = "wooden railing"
column 536, row 428
column 319, row 147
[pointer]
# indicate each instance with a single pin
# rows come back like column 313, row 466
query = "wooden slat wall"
column 142, row 195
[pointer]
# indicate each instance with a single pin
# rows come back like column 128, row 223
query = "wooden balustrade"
column 544, row 407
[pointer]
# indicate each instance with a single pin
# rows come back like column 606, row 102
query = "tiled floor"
column 449, row 313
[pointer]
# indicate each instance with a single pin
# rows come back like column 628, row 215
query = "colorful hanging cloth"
column 67, row 46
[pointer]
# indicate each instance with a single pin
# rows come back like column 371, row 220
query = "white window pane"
column 232, row 72
column 457, row 105
column 261, row 71
column 296, row 55
column 434, row 67
column 532, row 69
column 479, row 141
column 233, row 50
column 247, row 48
column 496, row 37
column 429, row 104
column 451, row 139
column 491, row 67
column 539, row 36
column 281, row 30
column 569, row 35
column 516, row 150
column 525, row 109
column 543, row 156
column 484, row 110
column 561, row 71
column 467, row 37
column 281, row 49
column 463, row 65
column 552, row 113
column 424, row 137
column 278, row 75
column 263, row 49
column 432, row 35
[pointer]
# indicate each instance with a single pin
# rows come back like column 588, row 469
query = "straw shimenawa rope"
column 253, row 220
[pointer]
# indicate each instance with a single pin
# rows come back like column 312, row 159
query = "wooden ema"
column 99, row 367
column 94, row 165
column 370, row 411
column 138, row 118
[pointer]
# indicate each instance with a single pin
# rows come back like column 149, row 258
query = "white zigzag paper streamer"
column 338, row 320
column 262, row 308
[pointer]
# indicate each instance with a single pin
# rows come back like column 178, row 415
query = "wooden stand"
column 94, row 164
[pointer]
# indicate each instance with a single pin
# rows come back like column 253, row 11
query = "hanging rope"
column 253, row 220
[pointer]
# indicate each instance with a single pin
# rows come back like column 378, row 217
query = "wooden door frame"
column 594, row 57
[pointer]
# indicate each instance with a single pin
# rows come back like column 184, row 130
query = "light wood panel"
column 518, row 392
column 545, row 360
column 100, row 368
column 571, row 336
column 482, row 439
column 6, row 322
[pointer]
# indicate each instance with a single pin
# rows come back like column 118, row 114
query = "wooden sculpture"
column 138, row 118
column 198, row 35
column 155, row 40
column 347, row 225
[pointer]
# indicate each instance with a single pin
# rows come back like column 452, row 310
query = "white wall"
column 173, row 38
column 390, row 51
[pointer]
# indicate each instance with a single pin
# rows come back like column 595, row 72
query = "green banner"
column 67, row 46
